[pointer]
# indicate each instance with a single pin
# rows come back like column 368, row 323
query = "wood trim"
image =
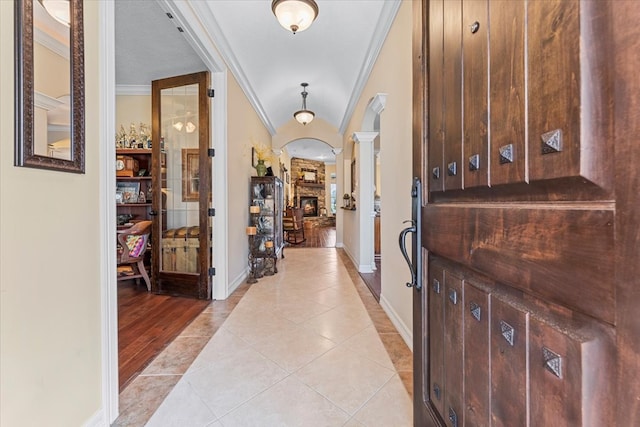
column 533, row 250
column 423, row 413
column 626, row 44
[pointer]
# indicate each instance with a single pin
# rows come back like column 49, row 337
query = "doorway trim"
column 203, row 45
column 366, row 141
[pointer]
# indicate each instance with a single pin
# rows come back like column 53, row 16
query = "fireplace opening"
column 309, row 205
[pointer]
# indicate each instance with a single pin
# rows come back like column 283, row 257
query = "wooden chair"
column 293, row 226
column 132, row 247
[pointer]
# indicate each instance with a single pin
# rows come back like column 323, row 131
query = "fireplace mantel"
column 310, row 184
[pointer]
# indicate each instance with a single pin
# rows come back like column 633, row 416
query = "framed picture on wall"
column 353, row 175
column 190, row 175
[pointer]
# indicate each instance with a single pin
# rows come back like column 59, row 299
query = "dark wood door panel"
column 476, row 355
column 570, row 103
column 508, row 91
column 549, row 252
column 475, row 80
column 452, row 83
column 453, row 338
column 436, row 170
column 435, row 288
column 509, row 364
column 570, row 371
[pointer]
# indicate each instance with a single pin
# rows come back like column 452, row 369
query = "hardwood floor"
column 317, row 237
column 147, row 323
column 374, row 280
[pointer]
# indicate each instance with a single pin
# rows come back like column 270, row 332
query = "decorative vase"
column 261, row 169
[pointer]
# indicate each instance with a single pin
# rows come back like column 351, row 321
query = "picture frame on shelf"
column 129, row 191
column 190, row 175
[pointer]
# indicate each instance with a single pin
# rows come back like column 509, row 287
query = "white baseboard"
column 238, row 281
column 97, row 420
column 403, row 330
column 365, row 268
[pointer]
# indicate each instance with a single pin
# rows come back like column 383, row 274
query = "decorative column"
column 365, row 167
column 339, row 192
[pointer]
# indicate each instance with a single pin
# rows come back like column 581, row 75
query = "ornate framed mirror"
column 49, row 75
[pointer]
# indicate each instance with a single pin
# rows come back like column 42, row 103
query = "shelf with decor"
column 133, row 184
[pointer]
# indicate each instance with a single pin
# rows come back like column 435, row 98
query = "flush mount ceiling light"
column 58, row 9
column 304, row 116
column 295, row 15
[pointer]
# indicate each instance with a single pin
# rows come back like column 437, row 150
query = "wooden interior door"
column 181, row 255
column 525, row 137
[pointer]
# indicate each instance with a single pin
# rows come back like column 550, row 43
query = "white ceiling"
column 335, row 55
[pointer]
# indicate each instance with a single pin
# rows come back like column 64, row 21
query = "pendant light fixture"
column 295, row 15
column 304, row 116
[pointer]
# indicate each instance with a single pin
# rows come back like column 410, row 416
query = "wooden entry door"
column 525, row 138
column 181, row 256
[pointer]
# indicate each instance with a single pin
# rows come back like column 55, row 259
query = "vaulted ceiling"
column 335, row 55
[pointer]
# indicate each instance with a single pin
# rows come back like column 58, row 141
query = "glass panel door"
column 180, row 179
column 181, row 120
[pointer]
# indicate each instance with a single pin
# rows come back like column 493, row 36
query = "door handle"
column 415, row 261
column 403, row 249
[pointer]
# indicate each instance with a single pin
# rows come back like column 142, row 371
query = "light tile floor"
column 308, row 346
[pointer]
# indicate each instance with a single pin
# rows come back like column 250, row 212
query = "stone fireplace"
column 308, row 186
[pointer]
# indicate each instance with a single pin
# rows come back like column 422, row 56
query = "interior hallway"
column 307, row 346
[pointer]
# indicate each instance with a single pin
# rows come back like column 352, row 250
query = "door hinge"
column 211, row 152
column 211, row 93
column 212, row 271
column 211, row 212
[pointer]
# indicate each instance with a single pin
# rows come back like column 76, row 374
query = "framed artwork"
column 254, row 157
column 353, row 175
column 309, row 175
column 190, row 175
column 128, row 192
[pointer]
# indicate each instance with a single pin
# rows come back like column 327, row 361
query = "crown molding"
column 220, row 41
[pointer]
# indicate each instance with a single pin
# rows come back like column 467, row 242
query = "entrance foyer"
column 307, row 346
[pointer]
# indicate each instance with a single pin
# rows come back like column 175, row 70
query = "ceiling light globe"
column 304, row 116
column 295, row 15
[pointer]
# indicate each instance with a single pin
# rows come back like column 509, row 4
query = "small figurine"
column 133, row 136
column 142, row 198
column 121, row 137
column 144, row 133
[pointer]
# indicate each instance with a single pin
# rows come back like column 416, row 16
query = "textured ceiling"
column 335, row 55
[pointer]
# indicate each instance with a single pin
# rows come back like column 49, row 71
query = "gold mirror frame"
column 24, row 77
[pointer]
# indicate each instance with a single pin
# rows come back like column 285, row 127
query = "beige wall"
column 132, row 109
column 244, row 128
column 392, row 75
column 50, row 371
